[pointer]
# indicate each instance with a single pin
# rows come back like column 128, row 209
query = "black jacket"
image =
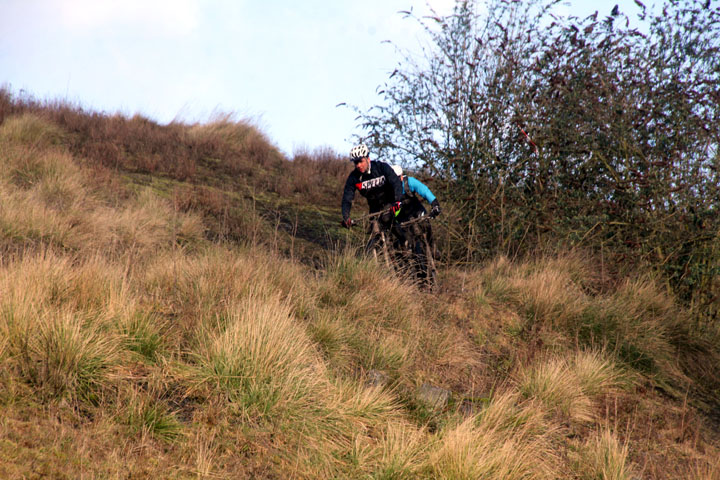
column 379, row 185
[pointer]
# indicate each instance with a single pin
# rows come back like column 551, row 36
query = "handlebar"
column 417, row 220
column 372, row 216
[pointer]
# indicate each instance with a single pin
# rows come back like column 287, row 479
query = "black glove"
column 435, row 211
column 396, row 208
column 347, row 223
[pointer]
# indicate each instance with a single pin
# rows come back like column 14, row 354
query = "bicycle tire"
column 431, row 274
column 424, row 259
column 413, row 257
column 377, row 249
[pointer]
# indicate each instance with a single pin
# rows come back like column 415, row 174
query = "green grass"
column 65, row 355
column 143, row 335
column 147, row 416
column 261, row 358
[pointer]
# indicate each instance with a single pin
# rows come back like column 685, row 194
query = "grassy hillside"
column 178, row 302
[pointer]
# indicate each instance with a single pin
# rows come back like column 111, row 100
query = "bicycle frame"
column 414, row 254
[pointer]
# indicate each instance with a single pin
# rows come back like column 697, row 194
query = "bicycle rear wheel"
column 425, row 269
column 430, row 268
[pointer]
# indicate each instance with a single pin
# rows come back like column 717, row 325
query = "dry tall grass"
column 506, row 442
column 568, row 387
column 603, row 456
column 155, row 350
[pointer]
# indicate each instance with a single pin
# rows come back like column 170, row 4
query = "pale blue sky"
column 283, row 64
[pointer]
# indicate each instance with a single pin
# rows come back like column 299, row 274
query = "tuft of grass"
column 28, row 169
column 450, row 349
column 205, row 452
column 196, row 288
column 602, row 456
column 145, row 415
column 706, row 470
column 569, row 387
column 644, row 314
column 53, row 314
column 403, row 452
column 30, row 130
column 303, row 181
column 386, row 351
column 26, row 223
column 494, row 280
column 339, row 430
column 143, row 334
column 64, row 190
column 640, row 326
column 65, row 354
column 598, row 375
column 554, row 384
column 241, row 146
column 362, row 405
column 142, row 227
column 333, row 338
column 549, row 297
column 49, row 280
column 370, row 294
column 44, row 202
column 565, row 303
column 506, row 411
column 473, row 449
column 261, row 358
column 547, row 293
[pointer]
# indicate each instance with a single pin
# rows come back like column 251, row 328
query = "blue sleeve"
column 416, row 186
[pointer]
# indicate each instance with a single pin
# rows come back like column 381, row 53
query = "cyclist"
column 412, row 206
column 376, row 181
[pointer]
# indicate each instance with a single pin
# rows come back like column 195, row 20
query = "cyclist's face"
column 363, row 165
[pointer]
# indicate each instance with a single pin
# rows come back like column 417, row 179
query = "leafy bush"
column 553, row 131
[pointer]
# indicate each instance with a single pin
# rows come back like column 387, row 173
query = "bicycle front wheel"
column 378, row 249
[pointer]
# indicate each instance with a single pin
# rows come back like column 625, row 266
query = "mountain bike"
column 405, row 247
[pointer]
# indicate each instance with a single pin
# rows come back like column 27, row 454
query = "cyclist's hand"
column 435, row 211
column 347, row 223
column 396, row 208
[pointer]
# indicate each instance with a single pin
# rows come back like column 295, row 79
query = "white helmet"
column 398, row 170
column 358, row 152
